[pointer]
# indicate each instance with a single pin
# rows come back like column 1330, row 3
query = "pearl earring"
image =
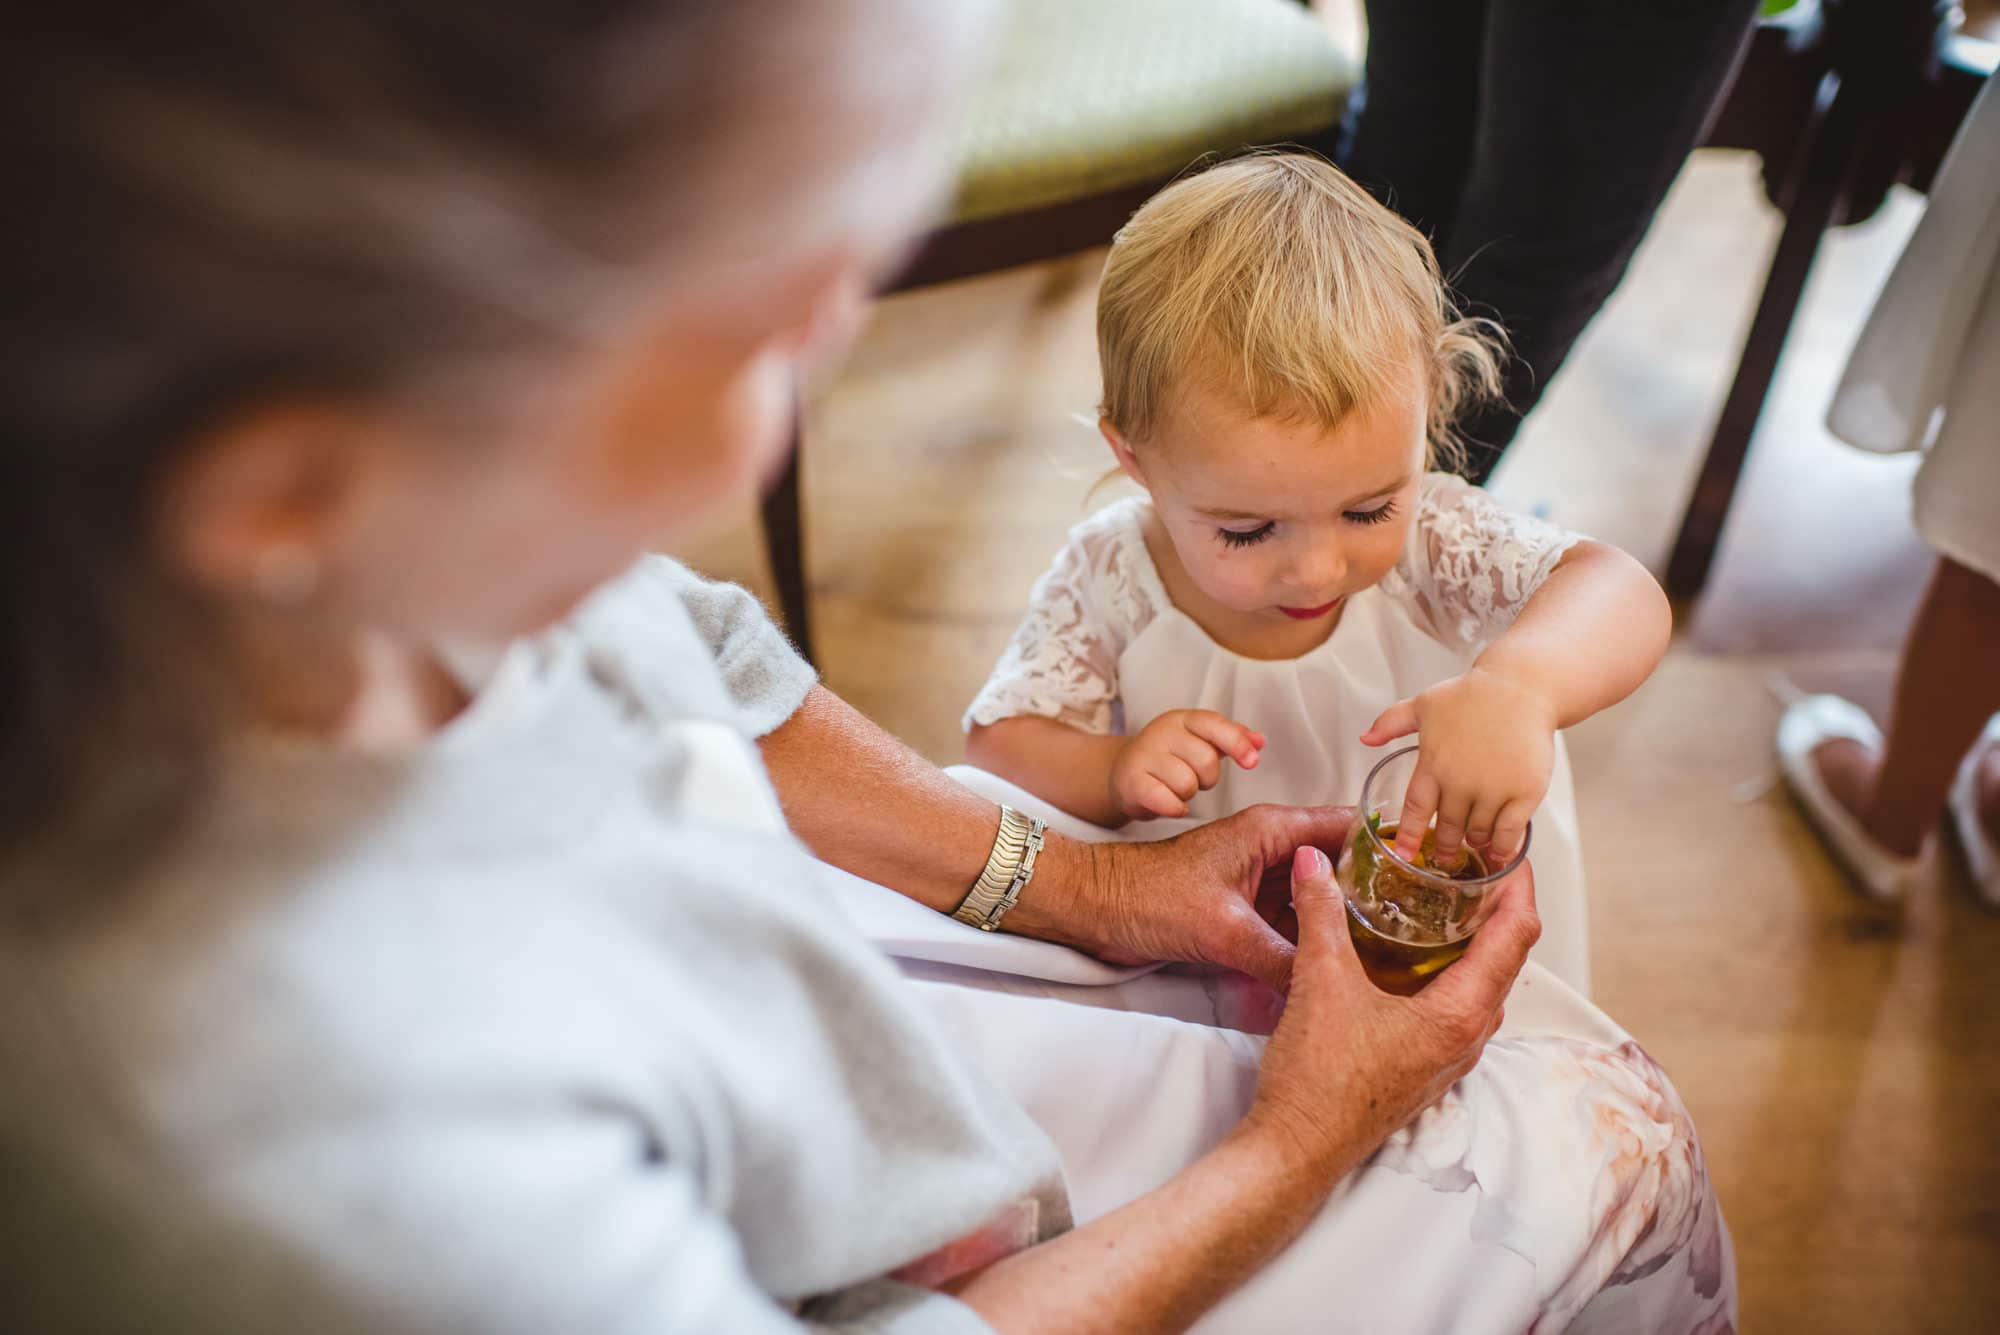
column 286, row 574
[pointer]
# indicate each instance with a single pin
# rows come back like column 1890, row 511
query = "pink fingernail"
column 1309, row 862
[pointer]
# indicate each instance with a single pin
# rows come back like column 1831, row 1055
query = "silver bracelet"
column 1009, row 868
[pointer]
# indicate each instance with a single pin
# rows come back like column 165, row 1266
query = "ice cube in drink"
column 1406, row 928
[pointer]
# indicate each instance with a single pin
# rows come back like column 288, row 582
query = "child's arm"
column 1589, row 637
column 1108, row 780
column 1052, row 760
column 1594, row 630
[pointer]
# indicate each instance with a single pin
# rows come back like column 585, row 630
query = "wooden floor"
column 1844, row 1069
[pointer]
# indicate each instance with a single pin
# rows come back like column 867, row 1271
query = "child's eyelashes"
column 1248, row 537
column 1379, row 515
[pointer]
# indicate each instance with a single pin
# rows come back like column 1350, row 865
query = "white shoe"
column 1808, row 723
column 1980, row 854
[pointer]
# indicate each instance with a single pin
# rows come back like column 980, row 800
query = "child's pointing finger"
column 1398, row 720
column 1226, row 735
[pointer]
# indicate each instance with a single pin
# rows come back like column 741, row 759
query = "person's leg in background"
column 1587, row 110
column 1408, row 136
column 1947, row 686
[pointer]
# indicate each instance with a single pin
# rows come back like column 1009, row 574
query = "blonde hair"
column 1276, row 280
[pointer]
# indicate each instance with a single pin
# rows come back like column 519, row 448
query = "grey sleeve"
column 488, row 1223
column 766, row 678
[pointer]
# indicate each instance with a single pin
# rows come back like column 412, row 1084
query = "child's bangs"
column 1275, row 365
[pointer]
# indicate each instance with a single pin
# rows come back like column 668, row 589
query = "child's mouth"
column 1309, row 613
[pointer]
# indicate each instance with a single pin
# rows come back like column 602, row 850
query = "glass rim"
column 1424, row 873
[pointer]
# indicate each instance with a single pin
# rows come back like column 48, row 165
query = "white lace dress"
column 1104, row 649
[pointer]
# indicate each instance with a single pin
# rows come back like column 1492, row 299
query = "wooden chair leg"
column 784, row 544
column 1814, row 205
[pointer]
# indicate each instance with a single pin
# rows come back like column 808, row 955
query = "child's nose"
column 1320, row 569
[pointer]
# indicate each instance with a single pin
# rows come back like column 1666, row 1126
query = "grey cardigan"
column 508, row 1035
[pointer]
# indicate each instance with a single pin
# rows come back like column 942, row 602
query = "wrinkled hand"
column 1350, row 1064
column 1218, row 894
column 1175, row 756
column 1486, row 747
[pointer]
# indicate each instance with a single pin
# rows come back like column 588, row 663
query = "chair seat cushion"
column 1086, row 96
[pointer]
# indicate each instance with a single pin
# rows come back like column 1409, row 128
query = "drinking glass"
column 1409, row 920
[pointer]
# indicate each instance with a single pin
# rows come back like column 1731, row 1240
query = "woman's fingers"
column 1271, row 834
column 1476, row 986
column 1257, row 948
column 1234, row 740
column 1420, row 802
column 1322, row 916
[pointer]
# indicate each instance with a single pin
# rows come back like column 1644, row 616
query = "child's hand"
column 1487, row 746
column 1177, row 755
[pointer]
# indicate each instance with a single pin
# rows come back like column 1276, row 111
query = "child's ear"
column 1122, row 450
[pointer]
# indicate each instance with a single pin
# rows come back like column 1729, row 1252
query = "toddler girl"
column 1297, row 589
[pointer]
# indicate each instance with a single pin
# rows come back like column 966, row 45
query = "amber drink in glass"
column 1410, row 919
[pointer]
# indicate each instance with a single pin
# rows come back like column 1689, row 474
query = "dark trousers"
column 1532, row 140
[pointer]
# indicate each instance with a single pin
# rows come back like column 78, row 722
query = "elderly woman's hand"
column 1349, row 1063
column 862, row 800
column 1208, row 896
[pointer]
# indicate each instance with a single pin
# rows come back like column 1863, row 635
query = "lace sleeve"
column 1063, row 660
column 1472, row 564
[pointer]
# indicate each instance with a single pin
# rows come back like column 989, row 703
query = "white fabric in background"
column 1926, row 369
